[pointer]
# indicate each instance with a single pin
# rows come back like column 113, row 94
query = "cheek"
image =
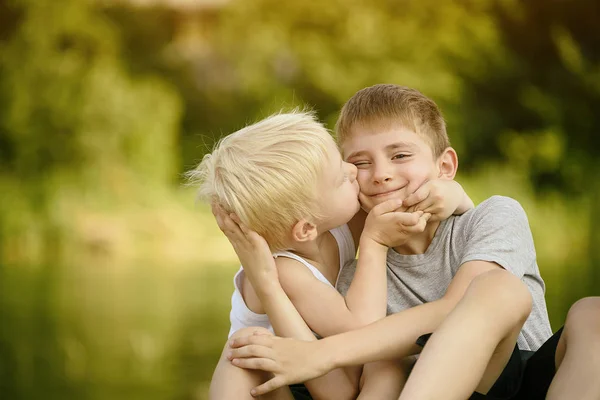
column 419, row 174
column 362, row 177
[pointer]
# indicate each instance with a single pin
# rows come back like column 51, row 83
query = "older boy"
column 396, row 137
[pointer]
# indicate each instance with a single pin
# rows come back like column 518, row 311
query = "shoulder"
column 294, row 274
column 286, row 265
column 500, row 204
column 497, row 215
column 495, row 209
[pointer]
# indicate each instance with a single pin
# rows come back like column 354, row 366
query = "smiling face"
column 392, row 161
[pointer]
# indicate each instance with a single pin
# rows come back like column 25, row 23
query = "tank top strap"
column 308, row 265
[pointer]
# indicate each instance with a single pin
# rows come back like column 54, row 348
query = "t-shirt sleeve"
column 498, row 231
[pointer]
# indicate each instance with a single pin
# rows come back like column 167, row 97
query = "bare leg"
column 231, row 382
column 484, row 326
column 384, row 380
column 578, row 354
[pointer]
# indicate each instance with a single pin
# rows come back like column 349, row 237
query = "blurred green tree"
column 536, row 107
column 72, row 119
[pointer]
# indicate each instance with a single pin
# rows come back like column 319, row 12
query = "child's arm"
column 319, row 304
column 323, row 308
column 441, row 198
column 392, row 337
column 259, row 266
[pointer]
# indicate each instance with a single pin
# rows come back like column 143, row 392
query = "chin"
column 373, row 201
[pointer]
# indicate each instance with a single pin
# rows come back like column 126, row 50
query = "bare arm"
column 323, row 308
column 392, row 337
column 283, row 315
column 261, row 270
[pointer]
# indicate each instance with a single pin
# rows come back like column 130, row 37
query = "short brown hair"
column 409, row 107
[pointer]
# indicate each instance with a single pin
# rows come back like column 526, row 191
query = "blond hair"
column 397, row 104
column 267, row 173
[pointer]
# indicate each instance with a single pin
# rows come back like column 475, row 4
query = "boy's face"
column 339, row 190
column 392, row 162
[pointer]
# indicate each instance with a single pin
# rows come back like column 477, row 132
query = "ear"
column 448, row 164
column 304, row 231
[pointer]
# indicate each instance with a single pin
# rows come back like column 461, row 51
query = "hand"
column 251, row 248
column 440, row 197
column 389, row 227
column 290, row 360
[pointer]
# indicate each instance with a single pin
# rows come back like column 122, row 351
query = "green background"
column 115, row 283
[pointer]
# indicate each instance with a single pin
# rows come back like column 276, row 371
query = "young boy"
column 396, row 138
column 284, row 178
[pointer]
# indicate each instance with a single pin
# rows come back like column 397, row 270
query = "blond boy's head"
column 266, row 173
column 388, row 103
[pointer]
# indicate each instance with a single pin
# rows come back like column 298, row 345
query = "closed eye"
column 360, row 163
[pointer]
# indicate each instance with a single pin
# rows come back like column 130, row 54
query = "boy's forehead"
column 365, row 137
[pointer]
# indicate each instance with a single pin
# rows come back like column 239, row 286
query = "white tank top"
column 242, row 317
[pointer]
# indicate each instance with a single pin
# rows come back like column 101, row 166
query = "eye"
column 359, row 164
column 399, row 156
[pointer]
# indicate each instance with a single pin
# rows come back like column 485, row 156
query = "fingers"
column 262, row 340
column 387, row 206
column 413, row 222
column 218, row 213
column 229, row 224
column 268, row 386
column 407, row 219
column 239, row 223
column 420, row 225
column 251, row 351
column 418, row 196
column 264, row 364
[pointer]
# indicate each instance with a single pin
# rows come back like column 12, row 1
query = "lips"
column 386, row 193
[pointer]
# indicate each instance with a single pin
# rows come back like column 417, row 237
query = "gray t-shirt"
column 497, row 230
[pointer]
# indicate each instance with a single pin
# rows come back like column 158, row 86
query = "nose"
column 381, row 175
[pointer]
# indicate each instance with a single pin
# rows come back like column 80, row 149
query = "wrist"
column 265, row 284
column 327, row 351
column 465, row 205
column 369, row 243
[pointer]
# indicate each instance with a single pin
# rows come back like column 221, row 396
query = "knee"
column 585, row 314
column 501, row 291
column 245, row 332
column 253, row 330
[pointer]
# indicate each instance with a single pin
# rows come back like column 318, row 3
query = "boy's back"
column 497, row 231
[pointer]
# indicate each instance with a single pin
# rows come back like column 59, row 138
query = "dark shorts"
column 526, row 376
column 300, row 392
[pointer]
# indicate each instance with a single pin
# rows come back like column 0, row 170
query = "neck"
column 418, row 243
column 309, row 250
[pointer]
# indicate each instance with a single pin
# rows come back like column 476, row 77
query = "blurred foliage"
column 114, row 285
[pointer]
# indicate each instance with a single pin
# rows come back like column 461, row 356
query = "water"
column 82, row 332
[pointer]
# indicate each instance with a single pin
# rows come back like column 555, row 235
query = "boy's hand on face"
column 389, row 227
column 251, row 248
column 439, row 197
column 290, row 360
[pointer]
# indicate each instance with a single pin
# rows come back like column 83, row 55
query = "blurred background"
column 115, row 284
